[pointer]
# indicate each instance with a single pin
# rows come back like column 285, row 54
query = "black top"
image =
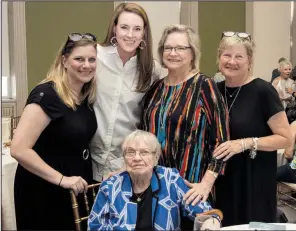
column 144, row 215
column 64, row 145
column 247, row 191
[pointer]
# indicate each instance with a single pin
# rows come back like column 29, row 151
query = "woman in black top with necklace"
column 258, row 127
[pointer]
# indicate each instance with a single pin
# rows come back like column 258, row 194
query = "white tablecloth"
column 246, row 227
column 8, row 212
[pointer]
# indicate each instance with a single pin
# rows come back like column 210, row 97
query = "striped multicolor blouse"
column 190, row 121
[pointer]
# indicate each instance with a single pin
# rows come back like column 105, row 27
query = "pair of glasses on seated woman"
column 242, row 35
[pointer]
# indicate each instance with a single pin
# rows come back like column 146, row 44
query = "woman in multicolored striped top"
column 187, row 114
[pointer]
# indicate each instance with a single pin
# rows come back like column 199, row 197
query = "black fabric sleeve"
column 146, row 100
column 47, row 98
column 217, row 114
column 271, row 103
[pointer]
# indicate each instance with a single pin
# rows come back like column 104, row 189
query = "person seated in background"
column 275, row 72
column 287, row 172
column 283, row 84
column 145, row 196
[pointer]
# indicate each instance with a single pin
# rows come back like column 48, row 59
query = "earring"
column 113, row 41
column 142, row 45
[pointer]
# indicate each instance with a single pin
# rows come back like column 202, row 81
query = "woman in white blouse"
column 126, row 69
column 283, row 84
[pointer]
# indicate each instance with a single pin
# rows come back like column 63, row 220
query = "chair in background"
column 7, row 111
column 287, row 189
column 78, row 218
column 13, row 125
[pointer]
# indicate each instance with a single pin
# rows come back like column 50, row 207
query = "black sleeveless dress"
column 64, row 145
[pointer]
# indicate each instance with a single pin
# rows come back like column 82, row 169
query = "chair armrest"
column 212, row 212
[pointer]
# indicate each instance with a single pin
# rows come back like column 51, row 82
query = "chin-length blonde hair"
column 58, row 75
column 283, row 64
column 145, row 63
column 248, row 44
column 192, row 38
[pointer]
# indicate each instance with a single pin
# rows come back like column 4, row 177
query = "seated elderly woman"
column 146, row 196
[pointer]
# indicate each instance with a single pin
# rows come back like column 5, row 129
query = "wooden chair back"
column 78, row 218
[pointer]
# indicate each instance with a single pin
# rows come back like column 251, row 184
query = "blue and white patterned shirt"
column 114, row 210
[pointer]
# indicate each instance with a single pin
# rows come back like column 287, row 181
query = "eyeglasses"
column 178, row 49
column 75, row 37
column 131, row 153
column 243, row 35
column 78, row 36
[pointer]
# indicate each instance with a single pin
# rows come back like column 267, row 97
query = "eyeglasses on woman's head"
column 75, row 37
column 242, row 35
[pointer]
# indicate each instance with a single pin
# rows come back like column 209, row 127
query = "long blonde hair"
column 145, row 63
column 58, row 75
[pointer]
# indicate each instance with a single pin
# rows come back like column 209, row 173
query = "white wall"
column 161, row 14
column 4, row 40
column 270, row 27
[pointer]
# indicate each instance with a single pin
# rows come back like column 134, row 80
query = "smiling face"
column 180, row 59
column 129, row 32
column 234, row 61
column 137, row 164
column 81, row 64
column 286, row 71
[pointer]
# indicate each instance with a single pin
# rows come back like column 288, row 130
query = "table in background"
column 9, row 165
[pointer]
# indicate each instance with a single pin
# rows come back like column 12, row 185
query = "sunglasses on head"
column 78, row 36
column 242, row 35
column 75, row 37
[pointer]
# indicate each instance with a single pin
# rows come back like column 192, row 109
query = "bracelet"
column 61, row 180
column 254, row 148
column 213, row 173
column 243, row 147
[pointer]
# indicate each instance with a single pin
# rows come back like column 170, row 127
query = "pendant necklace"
column 138, row 195
column 229, row 109
column 232, row 93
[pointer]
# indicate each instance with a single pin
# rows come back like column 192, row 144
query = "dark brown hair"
column 145, row 64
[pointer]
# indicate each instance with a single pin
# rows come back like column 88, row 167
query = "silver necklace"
column 229, row 109
column 232, row 93
column 139, row 197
